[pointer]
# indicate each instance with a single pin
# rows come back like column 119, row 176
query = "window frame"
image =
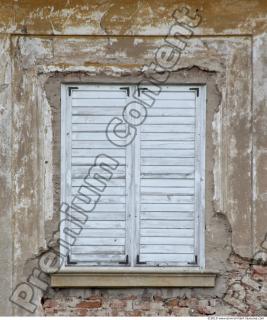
column 199, row 165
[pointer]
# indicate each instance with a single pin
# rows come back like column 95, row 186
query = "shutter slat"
column 165, row 136
column 166, row 198
column 168, row 121
column 165, row 258
column 111, row 103
column 166, row 240
column 158, row 215
column 165, row 128
column 163, row 224
column 176, row 233
column 173, row 248
column 100, row 241
column 100, row 216
column 172, row 95
column 101, row 249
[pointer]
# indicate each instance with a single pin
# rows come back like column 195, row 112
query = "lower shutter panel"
column 102, row 240
column 167, row 181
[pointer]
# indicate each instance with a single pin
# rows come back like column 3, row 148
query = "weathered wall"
column 46, row 42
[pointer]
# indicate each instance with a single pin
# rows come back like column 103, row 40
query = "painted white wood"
column 167, row 259
column 95, row 152
column 105, row 207
column 98, row 259
column 152, row 198
column 87, row 123
column 111, row 183
column 98, row 94
column 153, row 205
column 167, row 233
column 153, row 161
column 79, row 112
column 100, row 216
column 174, row 95
column 168, row 153
column 98, row 103
column 112, row 199
column 165, row 136
column 170, row 112
column 167, row 183
column 167, row 207
column 171, row 104
column 168, row 145
column 163, row 224
column 159, row 215
column 161, row 169
column 89, row 161
column 100, row 249
column 159, row 136
column 166, row 248
column 167, row 240
column 102, row 233
column 95, row 127
column 92, row 136
column 167, row 190
column 109, row 192
column 100, row 241
column 168, row 121
column 166, row 128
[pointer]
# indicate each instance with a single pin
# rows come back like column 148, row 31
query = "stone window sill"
column 132, row 278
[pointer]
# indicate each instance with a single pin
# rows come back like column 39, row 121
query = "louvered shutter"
column 169, row 180
column 102, row 240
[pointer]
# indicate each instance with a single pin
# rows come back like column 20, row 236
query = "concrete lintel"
column 133, row 279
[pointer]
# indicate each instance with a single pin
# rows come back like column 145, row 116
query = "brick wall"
column 251, row 300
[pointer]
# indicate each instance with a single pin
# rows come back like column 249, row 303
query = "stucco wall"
column 46, row 42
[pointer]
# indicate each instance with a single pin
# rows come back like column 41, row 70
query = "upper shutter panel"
column 167, row 200
column 102, row 240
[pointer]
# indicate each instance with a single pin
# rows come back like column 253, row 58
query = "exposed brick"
column 206, row 310
column 172, row 302
column 81, row 312
column 134, row 313
column 90, row 304
column 116, row 303
column 49, row 303
column 141, row 305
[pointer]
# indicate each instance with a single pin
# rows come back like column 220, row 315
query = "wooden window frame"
column 200, row 170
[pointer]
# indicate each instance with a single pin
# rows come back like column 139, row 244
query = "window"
column 133, row 193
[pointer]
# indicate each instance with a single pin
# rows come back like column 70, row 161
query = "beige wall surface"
column 45, row 43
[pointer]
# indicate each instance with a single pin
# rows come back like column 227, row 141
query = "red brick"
column 135, row 313
column 172, row 302
column 116, row 303
column 260, row 270
column 81, row 312
column 49, row 303
column 207, row 310
column 90, row 304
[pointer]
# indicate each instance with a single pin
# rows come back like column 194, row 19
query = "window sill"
column 132, row 278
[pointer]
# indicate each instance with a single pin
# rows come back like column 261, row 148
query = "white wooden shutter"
column 169, row 187
column 89, row 109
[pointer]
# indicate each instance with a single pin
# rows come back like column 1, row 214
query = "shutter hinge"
column 195, row 89
column 70, row 262
column 127, row 90
column 126, row 260
column 195, row 262
column 138, row 260
column 139, row 90
column 72, row 88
